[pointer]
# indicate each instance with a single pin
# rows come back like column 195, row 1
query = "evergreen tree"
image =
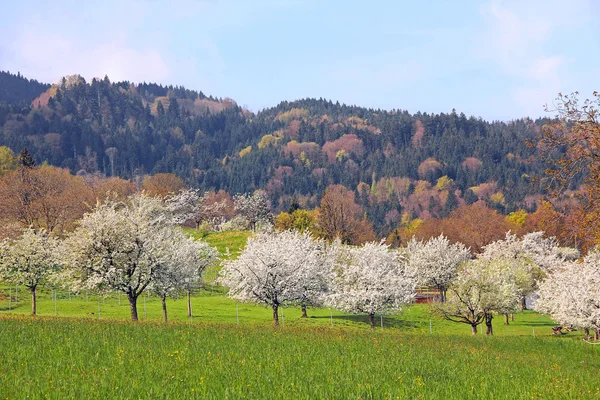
column 26, row 159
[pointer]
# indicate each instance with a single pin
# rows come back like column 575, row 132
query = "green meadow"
column 83, row 346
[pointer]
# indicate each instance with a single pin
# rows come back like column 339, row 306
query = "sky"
column 499, row 60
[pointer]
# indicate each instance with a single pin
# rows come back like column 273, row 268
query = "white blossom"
column 571, row 294
column 371, row 279
column 119, row 246
column 277, row 269
column 182, row 261
column 481, row 288
column 32, row 260
column 436, row 261
column 255, row 207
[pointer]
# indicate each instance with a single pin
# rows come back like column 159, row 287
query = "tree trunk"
column 189, row 303
column 372, row 320
column 304, row 315
column 587, row 333
column 133, row 306
column 505, row 319
column 474, row 329
column 523, row 303
column 597, row 334
column 441, row 294
column 275, row 315
column 512, row 316
column 164, row 308
column 489, row 330
column 33, row 300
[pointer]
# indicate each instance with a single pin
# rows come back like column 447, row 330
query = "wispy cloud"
column 48, row 55
column 518, row 41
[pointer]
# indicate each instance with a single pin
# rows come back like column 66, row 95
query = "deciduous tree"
column 277, row 269
column 31, row 260
column 338, row 215
column 255, row 208
column 119, row 246
column 371, row 279
column 571, row 294
column 436, row 261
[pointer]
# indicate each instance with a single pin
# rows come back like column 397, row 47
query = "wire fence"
column 59, row 301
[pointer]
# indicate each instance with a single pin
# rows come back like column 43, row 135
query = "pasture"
column 83, row 346
column 48, row 357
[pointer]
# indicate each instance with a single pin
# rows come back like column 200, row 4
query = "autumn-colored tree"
column 213, row 208
column 8, row 161
column 339, row 216
column 474, row 225
column 300, row 220
column 546, row 219
column 102, row 188
column 162, row 185
column 44, row 197
column 571, row 146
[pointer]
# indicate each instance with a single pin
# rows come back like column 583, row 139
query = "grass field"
column 230, row 351
column 229, row 244
column 66, row 358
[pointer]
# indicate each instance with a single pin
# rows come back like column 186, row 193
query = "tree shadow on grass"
column 364, row 319
column 532, row 323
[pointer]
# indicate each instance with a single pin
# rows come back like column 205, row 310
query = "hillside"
column 399, row 164
column 18, row 89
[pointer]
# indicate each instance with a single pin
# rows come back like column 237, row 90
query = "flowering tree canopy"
column 182, row 261
column 571, row 294
column 371, row 279
column 276, row 269
column 255, row 207
column 121, row 246
column 436, row 261
column 480, row 288
column 31, row 260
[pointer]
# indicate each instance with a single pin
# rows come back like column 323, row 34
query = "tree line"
column 396, row 163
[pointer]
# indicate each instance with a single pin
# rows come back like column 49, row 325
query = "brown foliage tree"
column 474, row 225
column 571, row 145
column 44, row 197
column 340, row 217
column 101, row 187
column 162, row 185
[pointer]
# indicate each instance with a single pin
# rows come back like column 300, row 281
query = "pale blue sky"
column 494, row 59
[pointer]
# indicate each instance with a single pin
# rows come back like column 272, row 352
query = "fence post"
column 10, row 298
column 331, row 317
column 381, row 317
column 237, row 314
column 54, row 292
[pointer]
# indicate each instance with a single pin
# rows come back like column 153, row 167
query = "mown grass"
column 63, row 358
column 210, row 305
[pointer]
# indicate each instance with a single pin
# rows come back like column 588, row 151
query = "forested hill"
column 18, row 89
column 396, row 162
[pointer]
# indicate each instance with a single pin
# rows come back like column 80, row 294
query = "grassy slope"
column 229, row 244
